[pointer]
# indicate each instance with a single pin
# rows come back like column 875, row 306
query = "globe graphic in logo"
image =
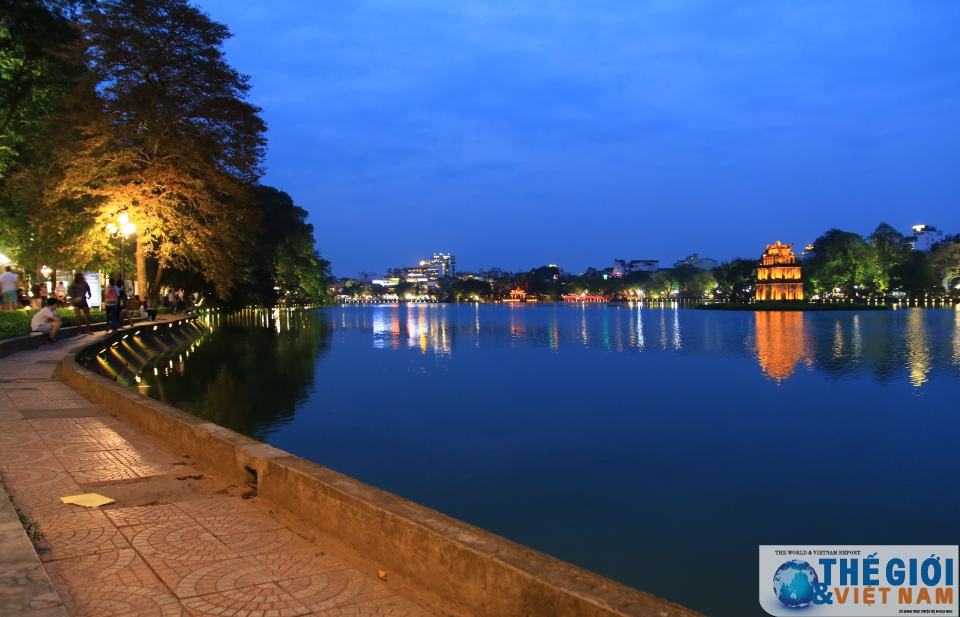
column 793, row 583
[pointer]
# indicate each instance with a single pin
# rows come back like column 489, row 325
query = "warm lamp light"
column 123, row 219
column 112, row 228
column 128, row 228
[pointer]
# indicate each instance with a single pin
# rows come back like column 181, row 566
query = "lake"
column 658, row 446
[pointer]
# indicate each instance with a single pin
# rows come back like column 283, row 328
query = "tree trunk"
column 155, row 290
column 142, row 271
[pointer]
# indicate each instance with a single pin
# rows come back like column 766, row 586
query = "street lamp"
column 125, row 229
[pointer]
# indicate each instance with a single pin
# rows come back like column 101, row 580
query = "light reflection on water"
column 779, row 341
column 622, row 439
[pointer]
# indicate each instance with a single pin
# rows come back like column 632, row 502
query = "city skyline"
column 571, row 134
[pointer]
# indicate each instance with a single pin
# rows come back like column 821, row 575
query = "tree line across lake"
column 129, row 107
column 841, row 265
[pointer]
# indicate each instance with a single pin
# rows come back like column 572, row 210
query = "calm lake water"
column 656, row 446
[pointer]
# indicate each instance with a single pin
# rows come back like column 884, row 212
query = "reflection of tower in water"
column 781, row 342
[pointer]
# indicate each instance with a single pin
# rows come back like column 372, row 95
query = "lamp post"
column 125, row 229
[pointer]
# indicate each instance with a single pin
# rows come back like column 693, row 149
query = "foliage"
column 735, row 279
column 167, row 136
column 283, row 266
column 469, row 290
column 915, row 275
column 37, row 68
column 842, row 264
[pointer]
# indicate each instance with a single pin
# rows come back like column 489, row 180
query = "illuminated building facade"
column 778, row 276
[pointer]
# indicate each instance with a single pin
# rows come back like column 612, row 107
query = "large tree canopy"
column 173, row 143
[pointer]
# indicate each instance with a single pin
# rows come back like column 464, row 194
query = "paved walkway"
column 179, row 541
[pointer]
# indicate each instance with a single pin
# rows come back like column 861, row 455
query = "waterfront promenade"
column 180, row 540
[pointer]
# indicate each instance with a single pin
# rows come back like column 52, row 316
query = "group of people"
column 115, row 305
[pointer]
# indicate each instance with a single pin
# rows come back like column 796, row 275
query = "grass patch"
column 31, row 527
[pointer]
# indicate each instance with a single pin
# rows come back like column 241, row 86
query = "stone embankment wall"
column 485, row 574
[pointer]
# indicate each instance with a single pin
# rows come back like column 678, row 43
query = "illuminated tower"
column 778, row 276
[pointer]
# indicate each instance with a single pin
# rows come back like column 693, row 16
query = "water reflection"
column 918, row 348
column 249, row 373
column 956, row 336
column 839, row 344
column 781, row 343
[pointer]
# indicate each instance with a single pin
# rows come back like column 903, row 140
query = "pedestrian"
column 44, row 293
column 111, row 297
column 46, row 321
column 172, row 301
column 79, row 292
column 35, row 300
column 8, row 289
column 122, row 311
column 61, row 293
column 181, row 304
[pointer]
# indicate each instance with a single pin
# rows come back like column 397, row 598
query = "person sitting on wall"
column 46, row 321
column 61, row 293
column 145, row 309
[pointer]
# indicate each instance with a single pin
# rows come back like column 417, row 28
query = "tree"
column 469, row 290
column 283, row 263
column 174, row 143
column 916, row 275
column 736, row 279
column 37, row 67
column 890, row 249
column 945, row 257
column 842, row 261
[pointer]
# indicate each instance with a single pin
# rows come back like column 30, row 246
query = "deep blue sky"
column 520, row 133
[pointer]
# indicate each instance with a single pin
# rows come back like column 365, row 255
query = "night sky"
column 516, row 134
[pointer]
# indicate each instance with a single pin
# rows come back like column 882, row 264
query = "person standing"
column 123, row 312
column 181, row 304
column 46, row 321
column 8, row 288
column 79, row 292
column 35, row 300
column 172, row 301
column 111, row 297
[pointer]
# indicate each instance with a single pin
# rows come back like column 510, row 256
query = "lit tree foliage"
column 174, row 142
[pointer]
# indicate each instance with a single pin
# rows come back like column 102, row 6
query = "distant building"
column 924, row 237
column 445, row 265
column 622, row 267
column 778, row 275
column 700, row 263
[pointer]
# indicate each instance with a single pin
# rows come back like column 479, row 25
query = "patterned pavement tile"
column 263, row 542
column 80, row 534
column 120, row 601
column 265, row 600
column 10, row 441
column 30, row 456
column 145, row 515
column 214, row 507
column 246, row 522
column 39, row 502
column 37, row 478
column 103, row 469
column 180, row 540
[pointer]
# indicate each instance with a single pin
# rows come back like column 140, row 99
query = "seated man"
column 46, row 321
